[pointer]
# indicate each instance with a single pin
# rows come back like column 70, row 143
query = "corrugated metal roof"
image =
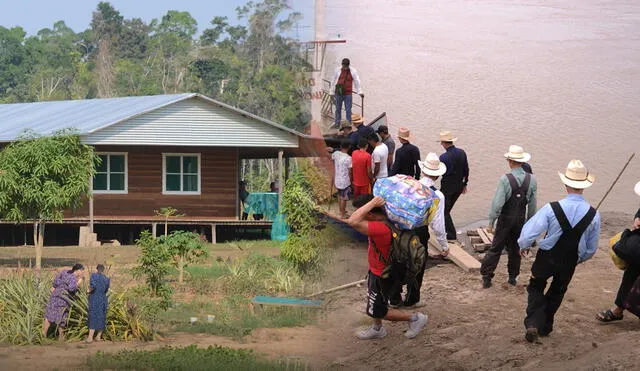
column 90, row 115
column 193, row 122
column 85, row 116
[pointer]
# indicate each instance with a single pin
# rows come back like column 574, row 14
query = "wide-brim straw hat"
column 637, row 188
column 404, row 133
column 432, row 165
column 447, row 136
column 576, row 175
column 517, row 154
column 356, row 118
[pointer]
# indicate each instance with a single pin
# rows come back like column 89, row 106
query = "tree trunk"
column 39, row 242
column 181, row 270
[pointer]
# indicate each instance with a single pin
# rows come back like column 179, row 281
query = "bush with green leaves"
column 155, row 266
column 309, row 239
column 185, row 248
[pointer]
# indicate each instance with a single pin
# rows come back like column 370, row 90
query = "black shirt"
column 406, row 161
column 457, row 175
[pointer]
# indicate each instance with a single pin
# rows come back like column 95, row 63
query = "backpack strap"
column 433, row 188
column 512, row 182
column 560, row 215
column 584, row 223
column 525, row 183
column 375, row 246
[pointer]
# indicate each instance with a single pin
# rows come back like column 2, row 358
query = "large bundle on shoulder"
column 409, row 205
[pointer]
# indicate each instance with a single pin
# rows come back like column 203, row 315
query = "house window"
column 111, row 174
column 181, row 173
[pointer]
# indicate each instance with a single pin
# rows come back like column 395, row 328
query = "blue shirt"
column 575, row 208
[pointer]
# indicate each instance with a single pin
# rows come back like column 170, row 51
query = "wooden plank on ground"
column 461, row 257
column 483, row 235
column 290, row 302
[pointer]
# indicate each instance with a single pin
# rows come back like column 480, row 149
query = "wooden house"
column 181, row 150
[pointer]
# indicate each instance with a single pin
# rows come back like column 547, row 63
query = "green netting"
column 279, row 228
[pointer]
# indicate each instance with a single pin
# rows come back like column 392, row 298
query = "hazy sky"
column 33, row 15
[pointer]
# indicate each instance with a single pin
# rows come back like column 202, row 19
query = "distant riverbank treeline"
column 249, row 65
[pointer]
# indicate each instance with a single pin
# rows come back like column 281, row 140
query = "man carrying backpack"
column 571, row 228
column 370, row 219
column 431, row 170
column 513, row 203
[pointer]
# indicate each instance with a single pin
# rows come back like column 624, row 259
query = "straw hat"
column 447, row 136
column 404, row 133
column 356, row 118
column 576, row 176
column 432, row 165
column 517, row 154
column 637, row 188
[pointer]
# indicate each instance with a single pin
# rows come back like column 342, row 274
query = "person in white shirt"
column 342, row 176
column 431, row 170
column 379, row 163
column 345, row 83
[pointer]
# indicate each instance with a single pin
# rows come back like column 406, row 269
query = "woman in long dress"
column 98, row 287
column 64, row 287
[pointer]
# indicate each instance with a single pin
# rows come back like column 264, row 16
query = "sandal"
column 608, row 316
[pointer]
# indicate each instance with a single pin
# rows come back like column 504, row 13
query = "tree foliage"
column 155, row 266
column 185, row 248
column 41, row 177
column 247, row 64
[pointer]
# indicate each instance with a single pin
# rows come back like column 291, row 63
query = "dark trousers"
column 506, row 237
column 541, row 306
column 413, row 287
column 629, row 277
column 450, row 199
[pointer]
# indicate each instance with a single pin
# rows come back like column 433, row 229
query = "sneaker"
column 372, row 333
column 416, row 326
column 512, row 281
column 486, row 283
column 531, row 335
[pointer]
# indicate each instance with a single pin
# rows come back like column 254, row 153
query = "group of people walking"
column 63, row 291
column 571, row 228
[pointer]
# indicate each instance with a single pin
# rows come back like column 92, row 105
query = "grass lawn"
column 188, row 358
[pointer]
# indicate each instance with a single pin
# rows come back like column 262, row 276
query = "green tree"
column 185, row 248
column 15, row 63
column 106, row 25
column 42, row 177
column 155, row 266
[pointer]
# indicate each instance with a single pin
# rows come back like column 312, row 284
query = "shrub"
column 185, row 248
column 154, row 266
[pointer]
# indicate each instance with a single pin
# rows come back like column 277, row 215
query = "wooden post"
column 286, row 169
column 280, row 180
column 238, row 170
column 91, row 205
column 214, row 239
column 154, row 229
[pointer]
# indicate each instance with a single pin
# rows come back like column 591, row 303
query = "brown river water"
column 560, row 78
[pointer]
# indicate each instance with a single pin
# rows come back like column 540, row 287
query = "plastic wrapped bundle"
column 408, row 203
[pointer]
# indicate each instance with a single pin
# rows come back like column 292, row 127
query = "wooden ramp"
column 460, row 257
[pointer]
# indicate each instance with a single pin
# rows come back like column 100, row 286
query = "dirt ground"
column 469, row 328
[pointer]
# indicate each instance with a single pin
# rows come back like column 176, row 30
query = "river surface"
column 560, row 78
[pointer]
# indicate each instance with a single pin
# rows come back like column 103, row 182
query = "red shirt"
column 380, row 234
column 360, row 162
